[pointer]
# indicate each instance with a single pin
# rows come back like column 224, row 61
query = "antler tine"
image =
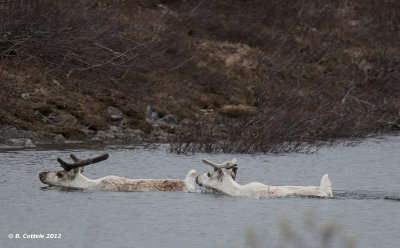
column 229, row 165
column 74, row 158
column 226, row 165
column 215, row 166
column 81, row 163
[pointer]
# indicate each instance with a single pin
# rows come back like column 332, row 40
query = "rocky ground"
column 119, row 133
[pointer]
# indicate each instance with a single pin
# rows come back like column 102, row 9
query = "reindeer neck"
column 83, row 182
column 231, row 187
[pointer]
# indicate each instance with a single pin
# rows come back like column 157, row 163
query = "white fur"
column 75, row 179
column 189, row 180
column 221, row 180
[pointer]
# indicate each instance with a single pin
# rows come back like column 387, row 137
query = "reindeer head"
column 219, row 174
column 71, row 175
column 60, row 178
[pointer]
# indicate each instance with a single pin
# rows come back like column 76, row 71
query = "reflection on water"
column 364, row 195
column 365, row 186
column 392, row 197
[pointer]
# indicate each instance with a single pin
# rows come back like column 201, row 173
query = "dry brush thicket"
column 328, row 70
column 278, row 75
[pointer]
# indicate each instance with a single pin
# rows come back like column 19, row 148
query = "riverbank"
column 115, row 134
column 219, row 76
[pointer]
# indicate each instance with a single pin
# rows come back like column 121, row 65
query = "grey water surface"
column 364, row 212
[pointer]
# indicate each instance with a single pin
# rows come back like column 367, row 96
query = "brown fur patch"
column 123, row 184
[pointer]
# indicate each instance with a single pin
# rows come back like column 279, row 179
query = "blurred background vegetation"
column 312, row 232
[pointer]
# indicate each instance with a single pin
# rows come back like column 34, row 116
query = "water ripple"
column 365, row 195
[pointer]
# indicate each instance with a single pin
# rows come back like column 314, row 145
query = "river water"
column 364, row 212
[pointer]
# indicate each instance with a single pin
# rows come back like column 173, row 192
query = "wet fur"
column 113, row 183
column 221, row 180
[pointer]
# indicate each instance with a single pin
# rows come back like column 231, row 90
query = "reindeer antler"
column 79, row 163
column 74, row 157
column 226, row 165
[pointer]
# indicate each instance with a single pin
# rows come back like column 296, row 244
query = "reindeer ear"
column 81, row 169
column 73, row 172
column 233, row 161
column 234, row 170
column 233, row 173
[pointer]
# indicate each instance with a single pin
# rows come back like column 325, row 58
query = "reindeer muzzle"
column 197, row 181
column 42, row 176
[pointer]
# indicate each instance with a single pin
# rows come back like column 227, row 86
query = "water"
column 365, row 207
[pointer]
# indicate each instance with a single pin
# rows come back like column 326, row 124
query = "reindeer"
column 222, row 179
column 71, row 176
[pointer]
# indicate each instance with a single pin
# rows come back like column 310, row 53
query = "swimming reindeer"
column 222, row 179
column 71, row 176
